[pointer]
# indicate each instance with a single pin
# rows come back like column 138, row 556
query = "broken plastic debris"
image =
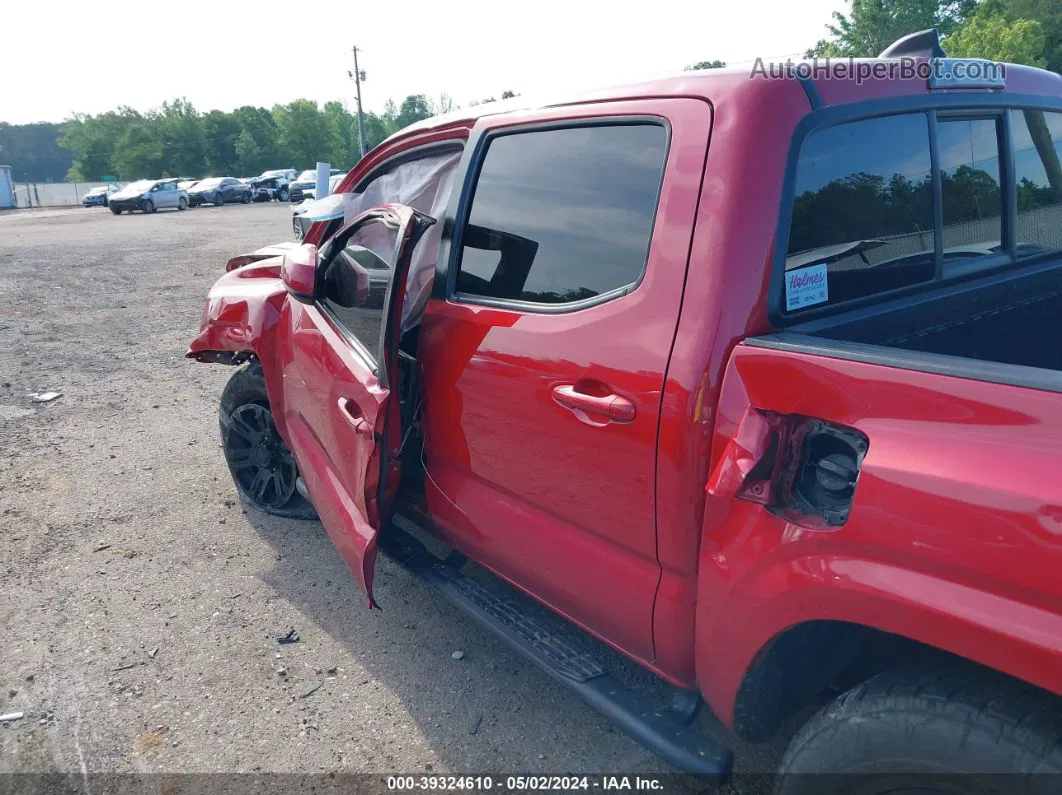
column 11, row 716
column 45, row 397
column 291, row 637
column 457, row 655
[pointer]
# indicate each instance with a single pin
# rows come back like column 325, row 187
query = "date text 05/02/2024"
column 534, row 783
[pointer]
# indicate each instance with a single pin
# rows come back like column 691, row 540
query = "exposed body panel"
column 955, row 536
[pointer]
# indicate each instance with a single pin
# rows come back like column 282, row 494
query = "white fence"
column 53, row 194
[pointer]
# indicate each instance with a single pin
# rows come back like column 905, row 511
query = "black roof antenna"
column 923, row 44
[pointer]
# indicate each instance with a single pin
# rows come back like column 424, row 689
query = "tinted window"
column 1037, row 167
column 863, row 212
column 970, row 189
column 563, row 215
column 354, row 281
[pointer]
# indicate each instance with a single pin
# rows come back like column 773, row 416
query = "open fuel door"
column 338, row 352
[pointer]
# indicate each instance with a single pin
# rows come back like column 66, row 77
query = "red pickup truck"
column 754, row 378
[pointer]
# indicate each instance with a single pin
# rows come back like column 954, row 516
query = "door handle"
column 351, row 412
column 605, row 409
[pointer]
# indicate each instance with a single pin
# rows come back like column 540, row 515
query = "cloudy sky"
column 60, row 57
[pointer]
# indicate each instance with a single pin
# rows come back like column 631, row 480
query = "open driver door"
column 337, row 348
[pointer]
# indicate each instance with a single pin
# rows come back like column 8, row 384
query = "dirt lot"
column 140, row 605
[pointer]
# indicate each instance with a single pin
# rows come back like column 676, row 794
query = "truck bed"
column 1003, row 328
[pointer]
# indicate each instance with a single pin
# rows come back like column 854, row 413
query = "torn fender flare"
column 267, row 252
column 743, row 451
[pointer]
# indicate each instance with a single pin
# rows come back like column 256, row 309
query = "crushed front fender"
column 241, row 311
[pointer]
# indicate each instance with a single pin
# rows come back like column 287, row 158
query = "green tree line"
column 179, row 140
column 1016, row 31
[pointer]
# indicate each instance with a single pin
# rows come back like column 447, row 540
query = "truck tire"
column 262, row 467
column 930, row 730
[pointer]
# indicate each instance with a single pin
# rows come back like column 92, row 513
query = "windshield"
column 139, row 186
column 307, row 176
column 213, row 182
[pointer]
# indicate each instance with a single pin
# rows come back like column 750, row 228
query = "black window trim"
column 1000, row 105
column 450, row 248
column 406, row 155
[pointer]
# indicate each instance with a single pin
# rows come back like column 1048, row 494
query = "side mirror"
column 298, row 271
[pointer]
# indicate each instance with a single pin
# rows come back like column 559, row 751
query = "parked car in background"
column 305, row 185
column 148, row 195
column 97, row 197
column 187, row 184
column 218, row 191
column 273, row 184
column 266, row 190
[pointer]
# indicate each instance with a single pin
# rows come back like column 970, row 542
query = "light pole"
column 358, row 76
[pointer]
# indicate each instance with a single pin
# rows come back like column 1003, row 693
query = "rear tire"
column 937, row 730
column 262, row 467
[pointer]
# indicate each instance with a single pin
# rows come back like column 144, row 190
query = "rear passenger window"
column 970, row 190
column 563, row 215
column 863, row 212
column 1037, row 155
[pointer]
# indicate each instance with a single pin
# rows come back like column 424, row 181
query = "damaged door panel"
column 339, row 349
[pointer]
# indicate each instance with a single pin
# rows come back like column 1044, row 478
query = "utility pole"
column 358, row 77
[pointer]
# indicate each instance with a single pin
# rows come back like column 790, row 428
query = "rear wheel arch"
column 809, row 664
column 938, row 727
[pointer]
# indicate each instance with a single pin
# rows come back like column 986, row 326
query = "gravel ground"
column 140, row 604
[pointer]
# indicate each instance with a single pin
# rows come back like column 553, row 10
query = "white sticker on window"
column 806, row 287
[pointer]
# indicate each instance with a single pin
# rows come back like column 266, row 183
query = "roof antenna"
column 923, row 44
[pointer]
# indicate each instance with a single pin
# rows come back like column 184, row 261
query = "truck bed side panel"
column 955, row 533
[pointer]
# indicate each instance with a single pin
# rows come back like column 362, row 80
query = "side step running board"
column 660, row 729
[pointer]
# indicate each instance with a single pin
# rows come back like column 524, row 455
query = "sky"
column 62, row 57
